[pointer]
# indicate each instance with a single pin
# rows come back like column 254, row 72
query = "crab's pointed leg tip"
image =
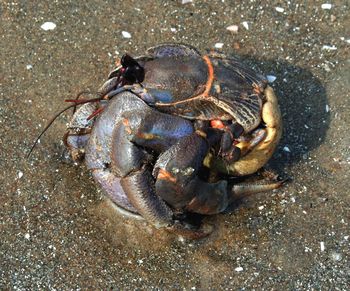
column 284, row 181
column 189, row 233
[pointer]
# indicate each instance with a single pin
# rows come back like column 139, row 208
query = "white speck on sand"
column 261, row 207
column 271, row 78
column 279, row 9
column 27, row 236
column 336, row 256
column 48, row 26
column 245, row 25
column 232, row 28
column 322, row 247
column 29, row 67
column 126, row 34
column 326, row 6
column 327, row 108
column 286, row 149
column 329, row 47
column 219, row 45
column 20, row 174
column 186, row 1
column 239, row 269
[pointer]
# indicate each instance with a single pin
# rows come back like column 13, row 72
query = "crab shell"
column 255, row 159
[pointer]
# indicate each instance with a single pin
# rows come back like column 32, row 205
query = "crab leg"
column 179, row 185
column 182, row 151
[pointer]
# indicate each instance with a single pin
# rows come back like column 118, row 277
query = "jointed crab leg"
column 176, row 170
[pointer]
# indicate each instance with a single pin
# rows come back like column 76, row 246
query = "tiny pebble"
column 29, row 67
column 172, row 29
column 186, row 1
column 346, row 237
column 232, row 28
column 20, row 174
column 327, row 108
column 336, row 256
column 245, row 25
column 261, row 207
column 219, row 45
column 329, row 47
column 48, row 26
column 326, row 6
column 27, row 236
column 140, row 261
column 271, row 78
column 239, row 269
column 181, row 239
column 126, row 34
column 286, row 149
column 322, row 246
column 279, row 9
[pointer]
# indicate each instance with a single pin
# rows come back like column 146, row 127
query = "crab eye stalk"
column 133, row 71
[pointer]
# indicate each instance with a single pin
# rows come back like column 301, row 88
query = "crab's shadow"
column 304, row 106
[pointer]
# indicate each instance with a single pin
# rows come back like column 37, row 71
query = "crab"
column 165, row 118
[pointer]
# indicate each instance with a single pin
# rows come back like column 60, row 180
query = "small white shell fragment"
column 279, row 9
column 48, row 26
column 327, row 108
column 329, row 47
column 245, row 25
column 286, row 149
column 326, row 6
column 322, row 247
column 126, row 34
column 261, row 207
column 271, row 78
column 173, row 29
column 27, row 236
column 219, row 45
column 186, row 1
column 20, row 174
column 232, row 28
column 336, row 256
column 239, row 269
column 29, row 67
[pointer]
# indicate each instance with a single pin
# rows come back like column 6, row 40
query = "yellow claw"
column 258, row 156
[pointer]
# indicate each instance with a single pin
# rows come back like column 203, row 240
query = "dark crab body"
column 148, row 145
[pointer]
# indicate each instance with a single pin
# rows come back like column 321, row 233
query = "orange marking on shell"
column 210, row 80
column 207, row 85
column 127, row 126
column 217, row 124
column 165, row 175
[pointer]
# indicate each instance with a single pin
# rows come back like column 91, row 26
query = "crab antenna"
column 47, row 127
column 83, row 93
column 55, row 117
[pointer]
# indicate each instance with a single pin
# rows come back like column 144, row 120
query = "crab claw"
column 258, row 151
